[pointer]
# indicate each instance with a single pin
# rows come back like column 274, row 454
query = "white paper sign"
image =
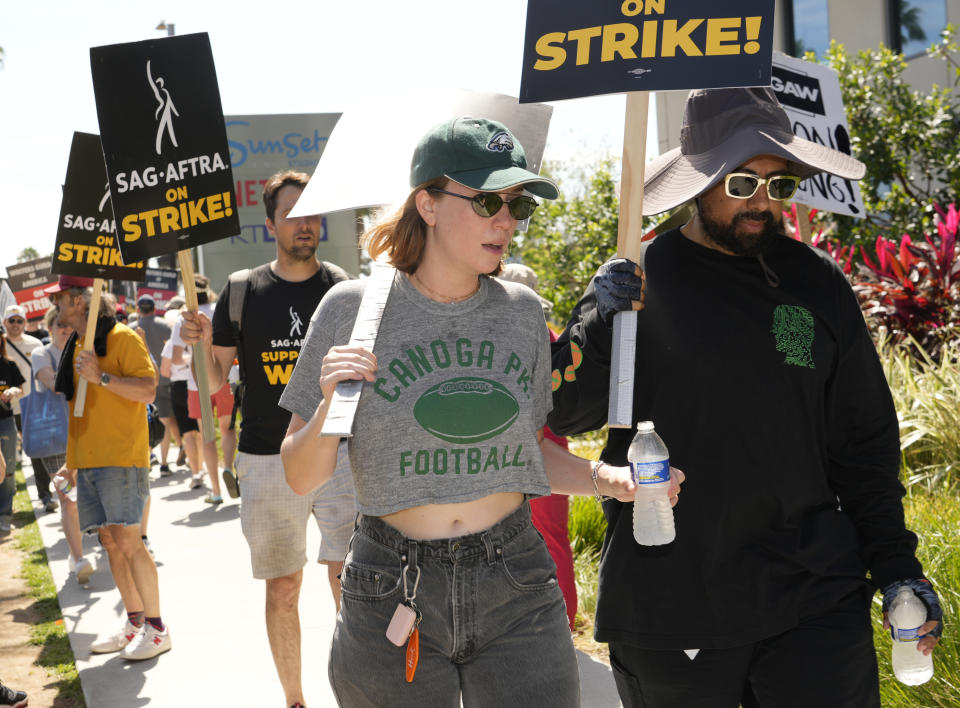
column 367, row 160
column 810, row 94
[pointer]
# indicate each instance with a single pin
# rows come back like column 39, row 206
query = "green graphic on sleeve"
column 466, row 410
column 793, row 329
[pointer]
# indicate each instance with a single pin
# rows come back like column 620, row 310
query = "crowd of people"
column 443, row 515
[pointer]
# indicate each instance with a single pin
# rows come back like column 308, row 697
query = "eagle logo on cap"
column 501, row 142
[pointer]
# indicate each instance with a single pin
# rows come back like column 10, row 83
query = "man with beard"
column 754, row 362
column 260, row 319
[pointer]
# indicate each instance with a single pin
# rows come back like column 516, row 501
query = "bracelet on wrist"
column 594, row 470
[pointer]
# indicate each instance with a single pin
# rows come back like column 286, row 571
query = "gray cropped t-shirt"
column 462, row 390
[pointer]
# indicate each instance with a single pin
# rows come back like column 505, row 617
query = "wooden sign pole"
column 629, row 237
column 199, row 349
column 803, row 223
column 88, row 335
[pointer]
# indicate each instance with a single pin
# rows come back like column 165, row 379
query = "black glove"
column 922, row 589
column 616, row 284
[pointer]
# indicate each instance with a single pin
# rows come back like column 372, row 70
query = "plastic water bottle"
column 906, row 615
column 63, row 484
column 650, row 467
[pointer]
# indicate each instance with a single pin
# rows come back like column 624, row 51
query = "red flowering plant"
column 908, row 291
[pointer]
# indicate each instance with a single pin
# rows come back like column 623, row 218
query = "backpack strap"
column 239, row 284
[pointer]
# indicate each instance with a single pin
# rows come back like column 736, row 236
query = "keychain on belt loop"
column 404, row 627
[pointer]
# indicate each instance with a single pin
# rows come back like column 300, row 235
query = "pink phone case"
column 401, row 624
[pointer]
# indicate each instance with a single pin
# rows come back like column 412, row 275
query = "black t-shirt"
column 773, row 402
column 276, row 314
column 10, row 377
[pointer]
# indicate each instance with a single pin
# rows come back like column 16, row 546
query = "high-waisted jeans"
column 494, row 628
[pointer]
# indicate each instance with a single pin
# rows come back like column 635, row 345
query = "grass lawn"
column 48, row 632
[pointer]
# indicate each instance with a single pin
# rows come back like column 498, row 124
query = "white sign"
column 810, row 94
column 368, row 160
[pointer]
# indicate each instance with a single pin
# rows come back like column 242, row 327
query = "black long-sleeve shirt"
column 773, row 402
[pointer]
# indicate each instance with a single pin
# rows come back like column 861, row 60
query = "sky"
column 296, row 56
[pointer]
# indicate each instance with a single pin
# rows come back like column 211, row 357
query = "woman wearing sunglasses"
column 449, row 593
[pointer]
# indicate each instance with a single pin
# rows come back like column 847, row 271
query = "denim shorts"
column 494, row 627
column 274, row 518
column 111, row 496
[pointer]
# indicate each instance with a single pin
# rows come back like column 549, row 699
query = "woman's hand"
column 346, row 363
column 618, row 483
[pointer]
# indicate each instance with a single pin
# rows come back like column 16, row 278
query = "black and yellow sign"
column 87, row 232
column 575, row 48
column 164, row 144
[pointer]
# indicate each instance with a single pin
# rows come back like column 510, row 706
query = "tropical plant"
column 909, row 291
column 571, row 237
column 926, row 394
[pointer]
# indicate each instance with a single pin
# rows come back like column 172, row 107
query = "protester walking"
column 49, row 409
column 108, row 459
column 756, row 366
column 11, row 389
column 449, row 592
column 157, row 331
column 221, row 403
column 19, row 348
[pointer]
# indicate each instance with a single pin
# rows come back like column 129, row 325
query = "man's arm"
column 863, row 448
column 196, row 326
column 581, row 356
column 142, row 389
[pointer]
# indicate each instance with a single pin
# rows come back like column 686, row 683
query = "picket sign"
column 343, row 403
column 199, row 358
column 89, row 334
column 629, row 238
column 803, row 222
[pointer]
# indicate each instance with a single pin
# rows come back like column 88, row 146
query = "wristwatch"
column 104, row 378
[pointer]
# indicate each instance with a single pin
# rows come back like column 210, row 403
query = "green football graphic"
column 466, row 410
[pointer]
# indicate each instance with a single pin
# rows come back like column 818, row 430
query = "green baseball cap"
column 478, row 153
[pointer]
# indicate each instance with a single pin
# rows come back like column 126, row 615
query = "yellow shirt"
column 113, row 430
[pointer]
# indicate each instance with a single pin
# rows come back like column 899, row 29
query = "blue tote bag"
column 44, row 415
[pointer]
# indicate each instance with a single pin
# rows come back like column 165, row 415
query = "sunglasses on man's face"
column 487, row 204
column 15, row 320
column 743, row 185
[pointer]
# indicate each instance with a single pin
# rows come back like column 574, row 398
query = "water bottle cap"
column 645, row 426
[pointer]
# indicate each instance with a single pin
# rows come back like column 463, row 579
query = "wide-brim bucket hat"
column 724, row 128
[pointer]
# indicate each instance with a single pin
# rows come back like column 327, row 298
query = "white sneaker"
column 148, row 644
column 118, row 641
column 196, row 481
column 84, row 570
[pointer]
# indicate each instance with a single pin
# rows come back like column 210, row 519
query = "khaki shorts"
column 274, row 518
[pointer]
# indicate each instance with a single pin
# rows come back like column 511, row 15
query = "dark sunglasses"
column 488, row 204
column 15, row 320
column 742, row 185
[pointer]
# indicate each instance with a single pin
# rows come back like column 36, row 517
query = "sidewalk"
column 204, row 569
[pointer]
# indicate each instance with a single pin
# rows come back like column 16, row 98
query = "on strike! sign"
column 575, row 48
column 165, row 145
column 87, row 233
